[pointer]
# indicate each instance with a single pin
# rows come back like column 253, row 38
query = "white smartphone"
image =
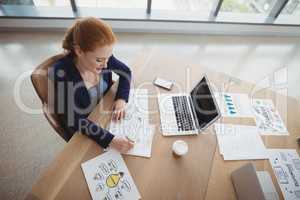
column 166, row 84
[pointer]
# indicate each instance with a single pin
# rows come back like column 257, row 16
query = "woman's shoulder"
column 112, row 59
column 60, row 69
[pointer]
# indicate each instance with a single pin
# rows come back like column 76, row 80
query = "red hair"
column 88, row 33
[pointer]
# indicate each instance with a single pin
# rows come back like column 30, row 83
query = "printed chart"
column 267, row 118
column 234, row 105
column 286, row 166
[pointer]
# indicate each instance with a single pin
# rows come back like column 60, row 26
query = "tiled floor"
column 27, row 141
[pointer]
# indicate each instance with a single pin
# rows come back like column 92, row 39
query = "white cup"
column 180, row 147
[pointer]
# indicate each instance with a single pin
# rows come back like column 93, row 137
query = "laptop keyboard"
column 182, row 113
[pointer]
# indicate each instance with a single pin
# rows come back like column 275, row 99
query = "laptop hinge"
column 194, row 112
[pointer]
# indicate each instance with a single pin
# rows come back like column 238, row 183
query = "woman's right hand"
column 121, row 144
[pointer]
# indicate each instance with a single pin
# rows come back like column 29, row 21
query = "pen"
column 129, row 139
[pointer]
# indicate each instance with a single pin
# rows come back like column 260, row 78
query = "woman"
column 83, row 76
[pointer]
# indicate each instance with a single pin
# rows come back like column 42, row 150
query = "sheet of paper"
column 267, row 118
column 108, row 178
column 240, row 142
column 135, row 124
column 142, row 140
column 143, row 143
column 234, row 105
column 286, row 167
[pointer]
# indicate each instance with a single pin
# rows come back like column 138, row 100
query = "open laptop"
column 188, row 114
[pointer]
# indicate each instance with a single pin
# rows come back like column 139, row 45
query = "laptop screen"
column 205, row 106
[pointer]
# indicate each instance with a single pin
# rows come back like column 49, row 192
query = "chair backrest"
column 39, row 77
column 40, row 81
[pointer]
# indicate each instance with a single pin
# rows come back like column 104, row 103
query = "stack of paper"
column 240, row 142
column 286, row 167
column 135, row 125
column 234, row 105
column 267, row 118
column 108, row 178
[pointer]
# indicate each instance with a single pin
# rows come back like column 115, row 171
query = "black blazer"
column 72, row 101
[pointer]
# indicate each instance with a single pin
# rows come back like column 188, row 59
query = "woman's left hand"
column 118, row 109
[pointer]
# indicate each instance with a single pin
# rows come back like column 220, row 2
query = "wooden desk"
column 201, row 174
column 220, row 185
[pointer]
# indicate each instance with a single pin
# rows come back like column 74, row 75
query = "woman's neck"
column 88, row 77
column 82, row 70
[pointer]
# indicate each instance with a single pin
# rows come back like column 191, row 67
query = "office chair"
column 40, row 81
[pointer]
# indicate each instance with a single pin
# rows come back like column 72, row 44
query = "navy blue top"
column 72, row 100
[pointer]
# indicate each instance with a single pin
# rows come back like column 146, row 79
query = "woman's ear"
column 78, row 51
